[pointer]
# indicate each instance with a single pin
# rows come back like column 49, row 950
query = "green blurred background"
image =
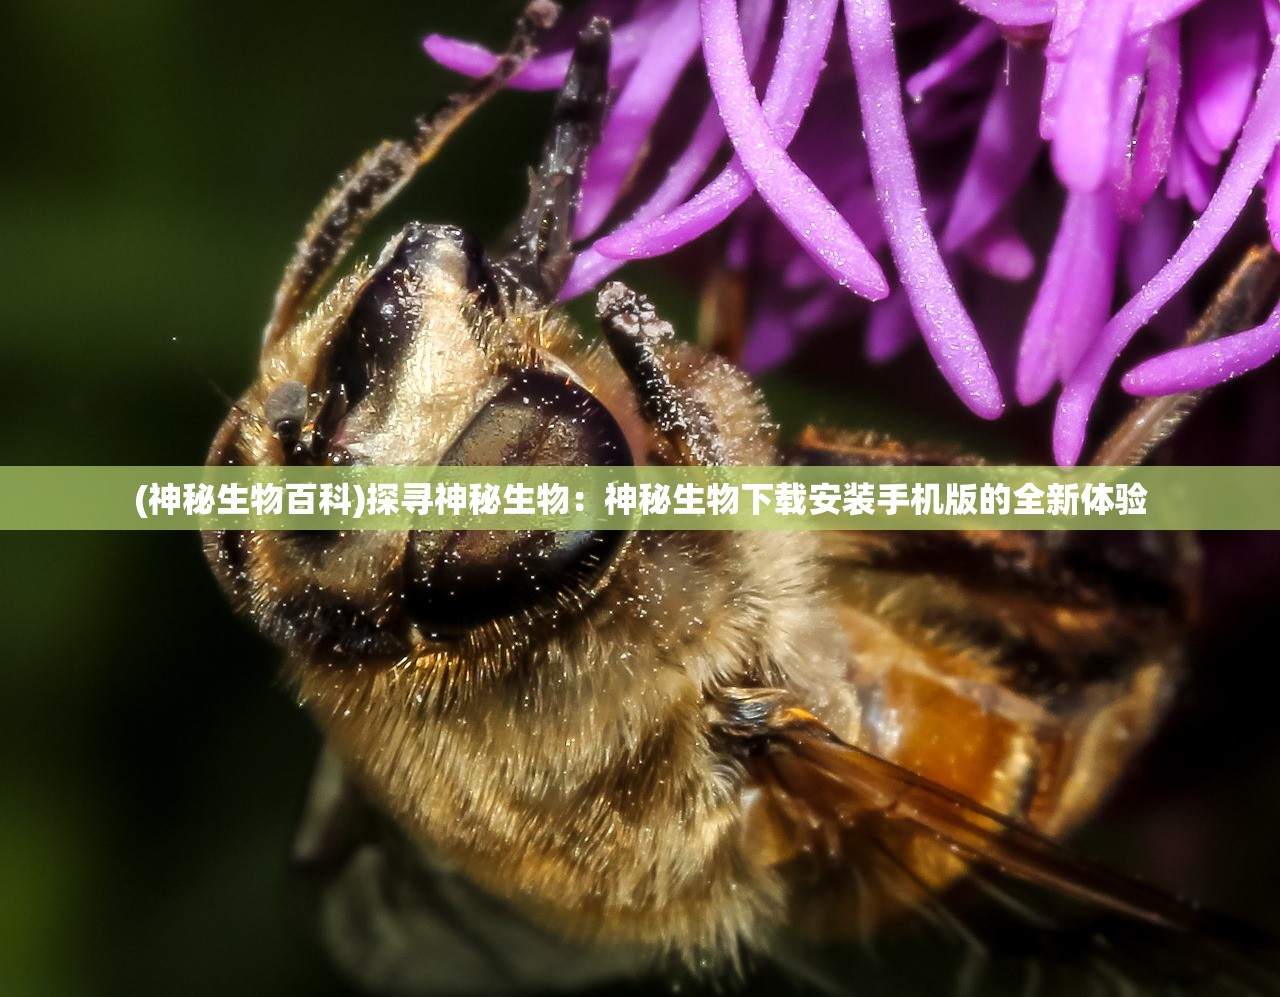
column 160, row 160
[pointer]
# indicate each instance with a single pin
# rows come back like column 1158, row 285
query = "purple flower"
column 1160, row 117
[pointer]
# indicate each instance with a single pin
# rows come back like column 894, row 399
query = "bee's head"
column 418, row 360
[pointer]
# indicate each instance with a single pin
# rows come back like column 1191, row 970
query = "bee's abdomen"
column 1023, row 670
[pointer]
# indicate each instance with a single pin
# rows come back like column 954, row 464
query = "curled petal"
column 590, row 265
column 795, row 199
column 947, row 327
column 709, row 135
column 1257, row 143
column 976, row 41
column 589, row 269
column 1206, row 364
column 805, row 32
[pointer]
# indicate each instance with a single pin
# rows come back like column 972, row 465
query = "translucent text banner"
column 656, row 498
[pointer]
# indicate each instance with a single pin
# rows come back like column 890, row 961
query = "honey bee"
column 556, row 758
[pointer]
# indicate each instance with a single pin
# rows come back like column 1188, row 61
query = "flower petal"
column 1145, row 248
column 1273, row 199
column 857, row 203
column 546, row 72
column 1197, row 177
column 1257, row 142
column 1149, row 13
column 1131, row 75
column 1001, row 251
column 773, row 337
column 1004, row 152
column 781, row 320
column 1013, row 12
column 1157, row 118
column 1203, row 365
column 1057, row 51
column 890, row 327
column 746, row 235
column 1081, row 150
column 1271, row 11
column 1074, row 297
column 471, row 59
column 1223, row 61
column 1196, row 138
column 974, row 42
column 937, row 121
column 795, row 199
column 947, row 328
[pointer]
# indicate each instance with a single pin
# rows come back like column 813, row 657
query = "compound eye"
column 459, row 580
column 540, row 419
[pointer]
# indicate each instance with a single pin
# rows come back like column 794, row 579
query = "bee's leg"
column 543, row 254
column 821, row 447
column 1241, row 303
column 636, row 336
column 369, row 186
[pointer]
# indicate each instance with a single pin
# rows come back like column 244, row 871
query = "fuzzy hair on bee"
column 557, row 758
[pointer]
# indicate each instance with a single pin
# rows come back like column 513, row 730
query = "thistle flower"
column 1160, row 118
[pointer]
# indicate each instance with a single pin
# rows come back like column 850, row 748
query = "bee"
column 556, row 758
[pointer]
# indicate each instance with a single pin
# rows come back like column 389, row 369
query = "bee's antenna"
column 369, row 186
column 218, row 390
column 202, row 374
column 544, row 250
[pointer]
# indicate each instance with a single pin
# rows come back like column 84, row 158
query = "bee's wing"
column 394, row 920
column 1058, row 915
